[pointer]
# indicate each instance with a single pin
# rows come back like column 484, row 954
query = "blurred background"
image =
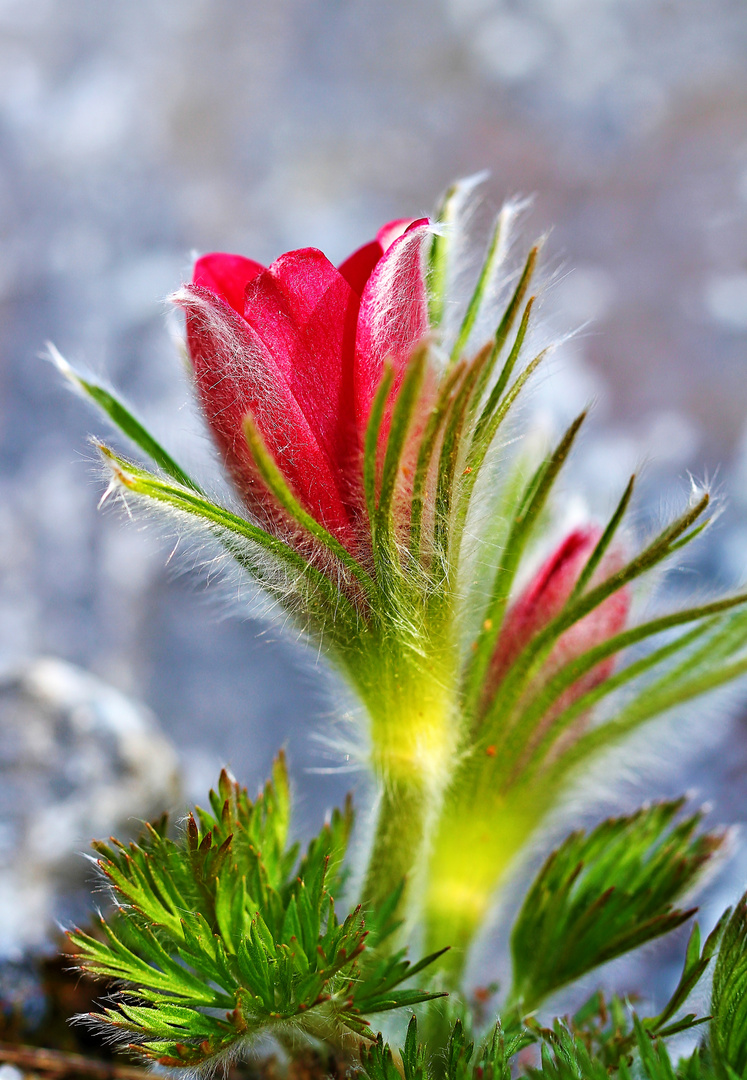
column 133, row 135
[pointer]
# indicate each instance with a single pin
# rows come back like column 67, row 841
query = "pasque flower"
column 358, row 411
column 300, row 347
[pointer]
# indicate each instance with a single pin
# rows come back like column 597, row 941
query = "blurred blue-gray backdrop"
column 132, row 134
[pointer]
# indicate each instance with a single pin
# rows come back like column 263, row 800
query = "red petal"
column 227, row 276
column 393, row 314
column 545, row 597
column 392, row 231
column 359, row 266
column 236, row 374
column 306, row 313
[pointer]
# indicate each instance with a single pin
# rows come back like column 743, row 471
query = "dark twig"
column 60, row 1063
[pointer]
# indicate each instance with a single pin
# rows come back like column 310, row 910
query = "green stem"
column 401, row 827
column 410, row 702
column 473, row 848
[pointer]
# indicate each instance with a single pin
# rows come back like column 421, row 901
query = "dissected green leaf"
column 729, row 996
column 459, row 1060
column 222, row 933
column 612, row 1030
column 567, row 1055
column 378, row 1062
column 564, row 1056
column 696, row 962
column 603, row 893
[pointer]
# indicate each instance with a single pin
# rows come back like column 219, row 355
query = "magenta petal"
column 393, row 315
column 305, row 312
column 227, row 276
column 545, row 597
column 392, row 231
column 546, row 594
column 236, row 374
column 358, row 267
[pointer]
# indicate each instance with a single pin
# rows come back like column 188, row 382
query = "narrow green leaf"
column 400, row 424
column 516, row 736
column 530, row 660
column 450, row 454
column 122, row 418
column 497, row 406
column 277, row 485
column 654, row 702
column 439, row 259
column 537, row 493
column 604, row 541
column 501, row 335
column 223, row 523
column 434, row 424
column 371, row 445
column 494, row 256
column 525, row 756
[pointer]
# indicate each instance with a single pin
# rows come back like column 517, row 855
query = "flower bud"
column 300, row 346
column 542, row 600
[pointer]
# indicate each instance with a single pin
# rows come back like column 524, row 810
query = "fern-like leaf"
column 602, row 894
column 222, row 934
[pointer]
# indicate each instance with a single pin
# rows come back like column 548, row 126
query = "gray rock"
column 78, row 759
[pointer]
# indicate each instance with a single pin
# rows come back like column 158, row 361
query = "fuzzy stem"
column 413, row 744
column 401, row 827
column 473, row 848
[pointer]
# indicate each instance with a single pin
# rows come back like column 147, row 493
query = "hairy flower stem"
column 413, row 739
column 401, row 827
column 468, row 860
